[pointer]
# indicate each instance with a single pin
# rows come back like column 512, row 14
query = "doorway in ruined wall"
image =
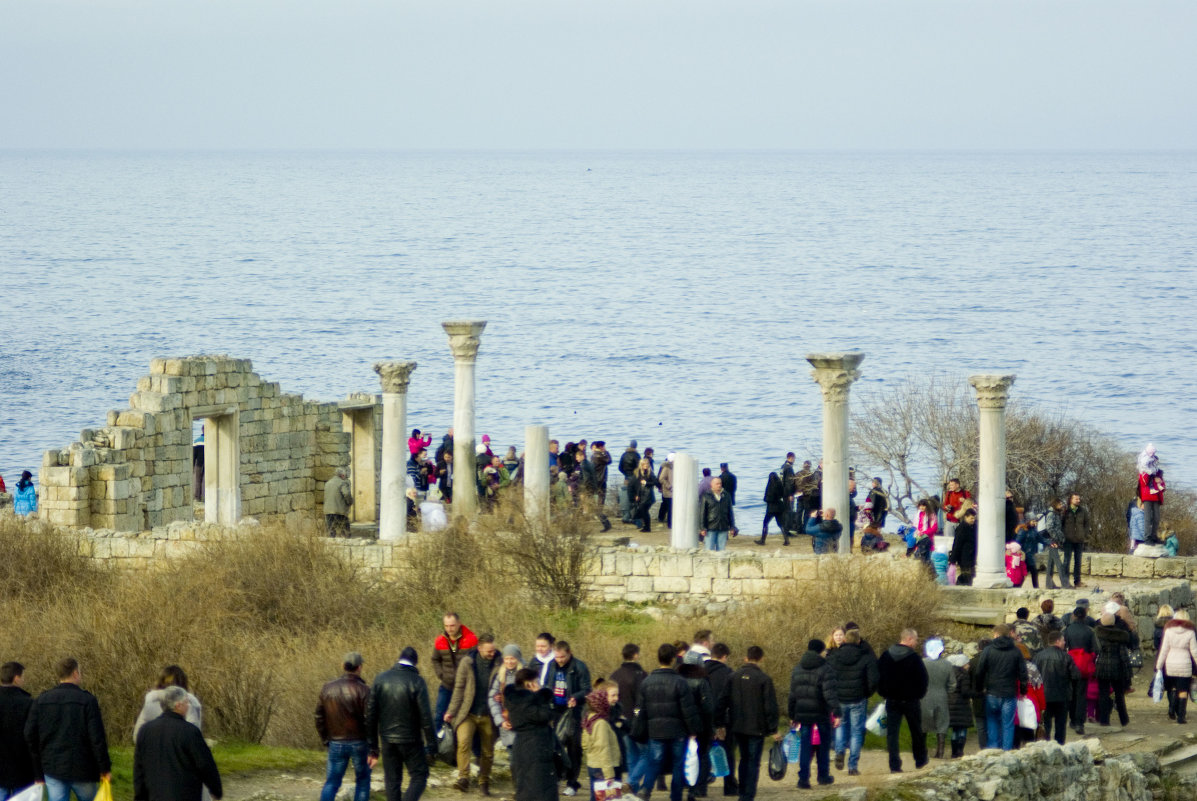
column 221, row 464
column 359, row 424
column 197, row 468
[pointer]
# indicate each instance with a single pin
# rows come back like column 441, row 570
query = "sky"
column 609, row 74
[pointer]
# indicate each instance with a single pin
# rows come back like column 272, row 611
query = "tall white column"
column 536, row 472
column 685, row 502
column 835, row 374
column 392, row 512
column 992, row 391
column 463, row 342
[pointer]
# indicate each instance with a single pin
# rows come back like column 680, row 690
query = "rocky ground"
column 1149, row 730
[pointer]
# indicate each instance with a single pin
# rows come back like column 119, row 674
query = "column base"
column 986, row 580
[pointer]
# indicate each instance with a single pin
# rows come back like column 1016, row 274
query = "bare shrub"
column 550, row 556
column 37, row 560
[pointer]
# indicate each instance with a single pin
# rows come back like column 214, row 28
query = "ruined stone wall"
column 135, row 473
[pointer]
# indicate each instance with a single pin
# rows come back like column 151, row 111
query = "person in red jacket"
column 1151, row 492
column 447, row 651
column 953, row 500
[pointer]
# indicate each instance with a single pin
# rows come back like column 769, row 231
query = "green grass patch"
column 231, row 757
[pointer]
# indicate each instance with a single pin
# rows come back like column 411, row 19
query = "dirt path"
column 1149, row 729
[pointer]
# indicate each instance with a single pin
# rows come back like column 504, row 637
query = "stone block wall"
column 135, row 473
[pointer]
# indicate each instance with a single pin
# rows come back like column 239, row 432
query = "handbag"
column 1157, row 686
column 792, row 746
column 777, row 762
column 567, row 727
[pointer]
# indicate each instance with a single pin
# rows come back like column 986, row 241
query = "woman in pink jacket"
column 1178, row 650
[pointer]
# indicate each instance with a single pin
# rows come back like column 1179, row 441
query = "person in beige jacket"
column 469, row 712
column 1178, row 650
column 600, row 744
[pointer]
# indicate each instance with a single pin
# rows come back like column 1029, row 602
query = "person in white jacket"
column 1178, row 650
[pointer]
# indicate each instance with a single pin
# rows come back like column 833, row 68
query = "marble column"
column 685, row 502
column 536, row 472
column 835, row 374
column 392, row 512
column 463, row 342
column 992, row 391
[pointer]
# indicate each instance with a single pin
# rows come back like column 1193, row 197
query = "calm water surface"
column 665, row 297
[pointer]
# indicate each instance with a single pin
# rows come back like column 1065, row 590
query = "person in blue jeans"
column 341, row 724
column 668, row 716
column 715, row 517
column 856, row 678
column 1001, row 673
column 65, row 732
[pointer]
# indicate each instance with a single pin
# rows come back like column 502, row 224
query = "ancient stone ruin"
column 267, row 453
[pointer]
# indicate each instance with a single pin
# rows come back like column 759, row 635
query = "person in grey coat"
column 936, row 712
column 338, row 497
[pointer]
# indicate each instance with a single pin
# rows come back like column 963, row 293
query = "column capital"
column 835, row 372
column 394, row 375
column 992, row 389
column 463, row 337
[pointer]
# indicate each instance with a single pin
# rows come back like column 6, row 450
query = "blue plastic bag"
column 718, row 758
column 792, row 746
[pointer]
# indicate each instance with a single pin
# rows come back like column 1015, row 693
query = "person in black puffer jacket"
column 856, row 678
column 668, row 715
column 813, row 700
column 1001, row 672
column 960, row 707
column 1113, row 669
column 695, row 674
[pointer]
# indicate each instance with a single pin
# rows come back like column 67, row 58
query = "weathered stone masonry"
column 268, row 453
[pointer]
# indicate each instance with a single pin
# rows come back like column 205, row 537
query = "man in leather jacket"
column 399, row 715
column 341, row 724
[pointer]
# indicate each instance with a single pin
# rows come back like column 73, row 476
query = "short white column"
column 392, row 512
column 835, row 374
column 685, row 502
column 463, row 342
column 992, row 392
column 536, row 472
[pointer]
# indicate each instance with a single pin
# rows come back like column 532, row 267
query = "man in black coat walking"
column 719, row 674
column 903, row 683
column 171, row 761
column 66, row 737
column 856, row 677
column 399, row 715
column 668, row 715
column 1001, row 672
column 16, row 767
column 747, row 706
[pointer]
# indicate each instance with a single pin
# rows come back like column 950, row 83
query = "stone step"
column 974, row 615
column 1183, row 760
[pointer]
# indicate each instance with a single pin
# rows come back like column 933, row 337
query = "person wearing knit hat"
column 504, row 677
column 812, row 702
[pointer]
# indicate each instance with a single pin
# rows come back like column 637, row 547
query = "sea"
column 664, row 297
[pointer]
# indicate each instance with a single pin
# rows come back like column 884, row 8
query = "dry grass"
column 260, row 623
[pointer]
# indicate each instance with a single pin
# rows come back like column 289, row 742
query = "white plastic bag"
column 692, row 762
column 31, row 793
column 1027, row 718
column 1157, row 686
column 876, row 721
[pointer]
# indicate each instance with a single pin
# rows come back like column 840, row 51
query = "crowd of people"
column 637, row 728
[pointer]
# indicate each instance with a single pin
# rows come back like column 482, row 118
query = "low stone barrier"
column 1042, row 771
